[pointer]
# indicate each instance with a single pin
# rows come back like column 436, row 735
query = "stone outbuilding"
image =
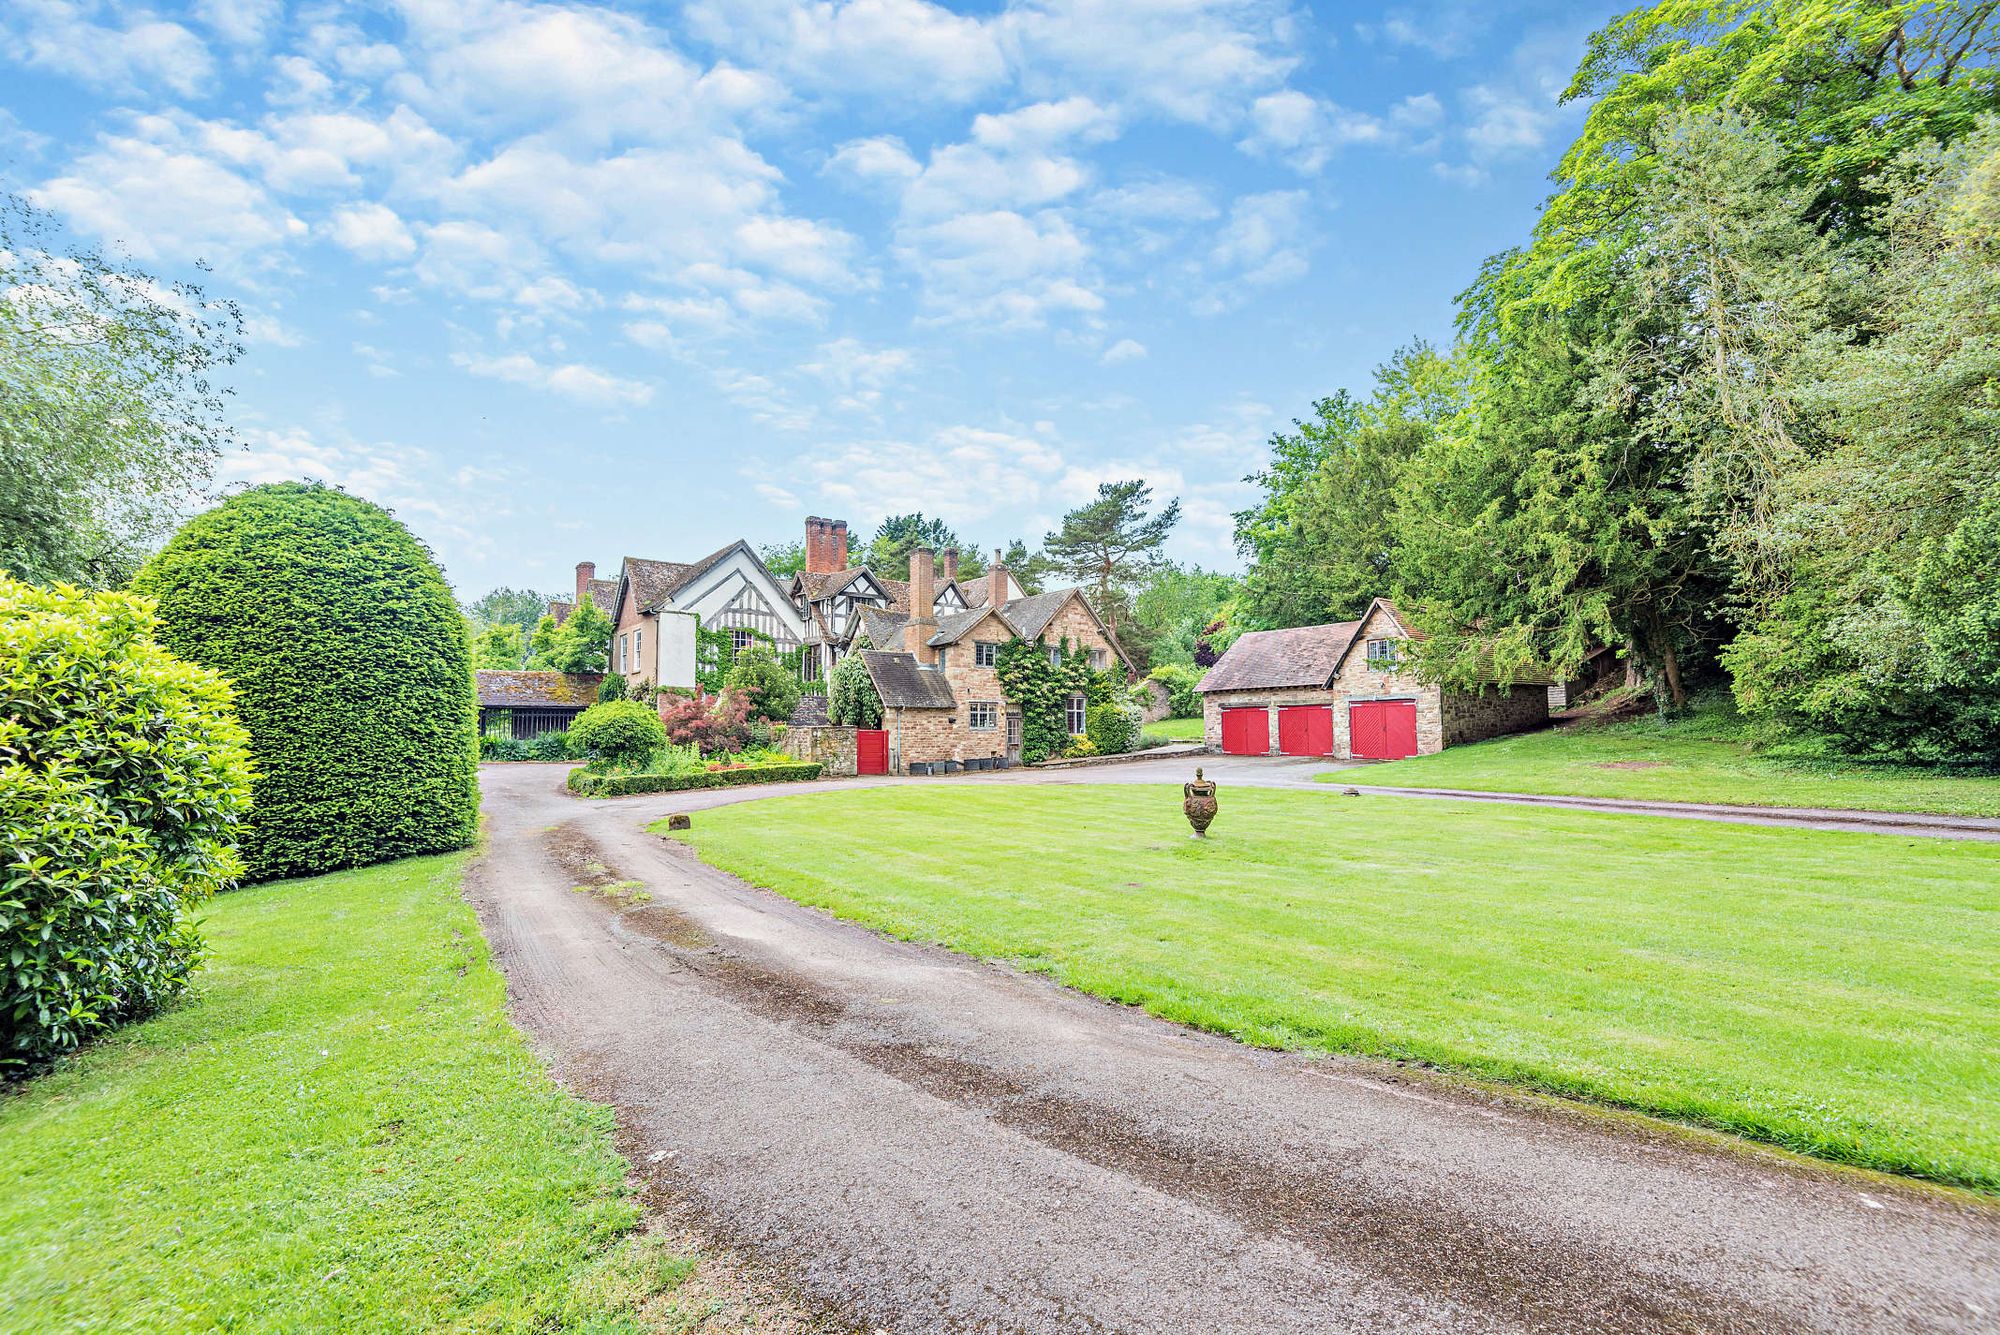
column 1344, row 690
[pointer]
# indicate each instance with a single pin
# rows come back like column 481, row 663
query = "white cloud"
column 1124, row 350
column 372, row 231
column 881, row 158
column 1506, row 121
column 1000, row 267
column 571, row 380
column 141, row 51
column 883, row 48
column 167, row 203
column 874, row 477
column 848, row 363
column 246, row 23
column 1263, row 243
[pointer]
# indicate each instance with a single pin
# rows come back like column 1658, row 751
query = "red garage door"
column 1382, row 729
column 871, row 751
column 1246, row 732
column 1306, row 730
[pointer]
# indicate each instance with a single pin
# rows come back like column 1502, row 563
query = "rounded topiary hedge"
column 352, row 669
column 617, row 732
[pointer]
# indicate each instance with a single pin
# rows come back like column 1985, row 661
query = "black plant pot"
column 922, row 767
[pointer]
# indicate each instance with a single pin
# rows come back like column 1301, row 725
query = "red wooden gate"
column 871, row 751
column 1246, row 732
column 1382, row 729
column 1305, row 730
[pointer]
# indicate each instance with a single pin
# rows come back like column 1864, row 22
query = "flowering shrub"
column 709, row 723
column 1111, row 728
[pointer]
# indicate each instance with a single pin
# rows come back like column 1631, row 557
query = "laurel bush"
column 123, row 779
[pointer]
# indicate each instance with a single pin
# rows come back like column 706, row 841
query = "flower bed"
column 586, row 784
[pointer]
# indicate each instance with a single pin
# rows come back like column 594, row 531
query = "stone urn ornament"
column 1198, row 801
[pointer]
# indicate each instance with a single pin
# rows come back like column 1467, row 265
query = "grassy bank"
column 339, row 1131
column 1175, row 729
column 1827, row 992
column 1705, row 757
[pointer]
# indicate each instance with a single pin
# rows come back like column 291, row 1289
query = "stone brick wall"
column 1076, row 622
column 931, row 735
column 830, row 747
column 1158, row 701
column 1494, row 713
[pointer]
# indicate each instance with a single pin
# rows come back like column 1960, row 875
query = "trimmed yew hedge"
column 585, row 784
column 352, row 669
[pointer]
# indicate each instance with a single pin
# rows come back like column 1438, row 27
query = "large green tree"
column 887, row 553
column 111, row 420
column 507, row 606
column 1110, row 542
column 582, row 643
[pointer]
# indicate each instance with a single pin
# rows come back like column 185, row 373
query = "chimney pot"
column 951, row 565
column 996, row 581
column 586, row 571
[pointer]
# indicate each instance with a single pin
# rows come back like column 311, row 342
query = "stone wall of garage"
column 1271, row 701
column 1495, row 712
column 827, row 746
column 932, row 735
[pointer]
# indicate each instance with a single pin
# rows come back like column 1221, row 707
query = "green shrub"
column 771, row 687
column 586, row 783
column 123, row 781
column 1180, row 680
column 852, row 700
column 617, row 732
column 352, row 671
column 1111, row 728
column 548, row 746
column 611, row 688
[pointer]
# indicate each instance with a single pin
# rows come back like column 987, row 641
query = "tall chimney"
column 951, row 565
column 923, row 621
column 838, row 545
column 586, row 571
column 816, row 545
column 996, row 581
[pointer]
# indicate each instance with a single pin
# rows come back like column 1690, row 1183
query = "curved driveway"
column 911, row 1141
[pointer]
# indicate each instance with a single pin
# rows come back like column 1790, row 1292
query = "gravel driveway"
column 911, row 1141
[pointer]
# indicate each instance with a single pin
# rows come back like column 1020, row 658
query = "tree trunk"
column 1670, row 663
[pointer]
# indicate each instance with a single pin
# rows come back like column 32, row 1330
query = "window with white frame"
column 1074, row 710
column 1097, row 659
column 739, row 640
column 638, row 648
column 983, row 716
column 1055, row 656
column 621, row 653
column 985, row 653
column 1382, row 654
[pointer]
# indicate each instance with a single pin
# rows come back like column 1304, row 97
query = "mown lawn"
column 338, row 1131
column 1705, row 758
column 1175, row 729
column 1830, row 992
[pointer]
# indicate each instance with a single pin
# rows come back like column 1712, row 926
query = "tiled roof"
column 603, row 592
column 883, row 628
column 1301, row 656
column 653, row 582
column 503, row 690
column 952, row 626
column 810, row 712
column 903, row 684
column 1030, row 616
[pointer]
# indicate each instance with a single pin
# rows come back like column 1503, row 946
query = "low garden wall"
column 586, row 784
column 822, row 744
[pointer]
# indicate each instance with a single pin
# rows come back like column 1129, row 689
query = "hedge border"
column 585, row 784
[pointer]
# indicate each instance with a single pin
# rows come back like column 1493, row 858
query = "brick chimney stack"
column 837, row 535
column 951, row 565
column 923, row 590
column 586, row 571
column 826, row 545
column 996, row 581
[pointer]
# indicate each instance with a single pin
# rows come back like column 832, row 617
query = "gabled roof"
column 505, row 690
column 654, row 583
column 883, row 628
column 1300, row 656
column 953, row 626
column 903, row 683
column 1030, row 616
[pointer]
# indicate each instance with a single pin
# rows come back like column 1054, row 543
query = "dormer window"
column 1382, row 655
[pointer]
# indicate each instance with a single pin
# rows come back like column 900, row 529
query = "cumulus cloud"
column 1124, row 350
column 570, row 379
column 881, row 48
column 139, row 51
column 167, row 203
column 371, row 231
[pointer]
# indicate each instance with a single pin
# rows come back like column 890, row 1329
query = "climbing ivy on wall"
column 1040, row 689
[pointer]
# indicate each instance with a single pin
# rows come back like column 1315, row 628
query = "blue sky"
column 565, row 282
